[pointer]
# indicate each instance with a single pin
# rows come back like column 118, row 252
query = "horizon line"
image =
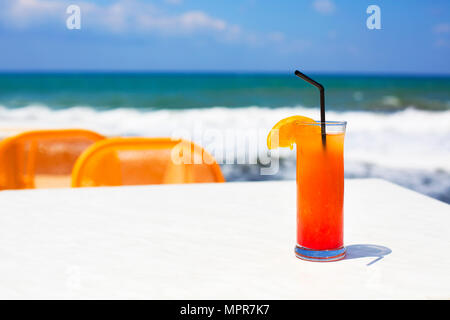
column 228, row 72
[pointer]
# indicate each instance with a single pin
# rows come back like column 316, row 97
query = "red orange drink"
column 320, row 185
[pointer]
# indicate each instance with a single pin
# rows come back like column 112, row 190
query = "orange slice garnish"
column 287, row 131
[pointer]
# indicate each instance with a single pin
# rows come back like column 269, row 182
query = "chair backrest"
column 42, row 158
column 137, row 161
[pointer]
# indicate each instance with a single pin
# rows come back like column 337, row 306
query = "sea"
column 398, row 126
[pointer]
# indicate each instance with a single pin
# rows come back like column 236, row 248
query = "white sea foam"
column 408, row 146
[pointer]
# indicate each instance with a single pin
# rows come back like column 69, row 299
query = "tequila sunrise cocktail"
column 320, row 194
column 320, row 184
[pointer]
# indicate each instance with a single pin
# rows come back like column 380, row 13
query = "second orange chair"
column 136, row 161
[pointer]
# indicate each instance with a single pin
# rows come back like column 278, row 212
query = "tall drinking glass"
column 320, row 193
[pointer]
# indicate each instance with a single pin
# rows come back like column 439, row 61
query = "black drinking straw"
column 322, row 103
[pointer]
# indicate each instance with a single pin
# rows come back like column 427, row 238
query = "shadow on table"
column 355, row 251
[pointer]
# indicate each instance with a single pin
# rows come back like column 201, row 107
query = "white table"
column 217, row 241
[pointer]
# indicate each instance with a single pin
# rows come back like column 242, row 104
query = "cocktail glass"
column 320, row 192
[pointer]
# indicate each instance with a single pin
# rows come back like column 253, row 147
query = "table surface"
column 217, row 241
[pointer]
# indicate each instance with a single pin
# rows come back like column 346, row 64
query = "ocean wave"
column 410, row 147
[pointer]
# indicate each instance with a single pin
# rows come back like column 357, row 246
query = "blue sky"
column 224, row 35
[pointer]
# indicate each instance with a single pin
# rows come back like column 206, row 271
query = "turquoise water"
column 181, row 91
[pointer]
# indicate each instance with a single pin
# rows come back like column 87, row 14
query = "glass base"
column 319, row 255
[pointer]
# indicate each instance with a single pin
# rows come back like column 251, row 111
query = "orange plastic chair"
column 137, row 161
column 42, row 158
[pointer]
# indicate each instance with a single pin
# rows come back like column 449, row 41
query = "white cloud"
column 198, row 19
column 324, row 6
column 135, row 17
column 119, row 16
column 189, row 22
